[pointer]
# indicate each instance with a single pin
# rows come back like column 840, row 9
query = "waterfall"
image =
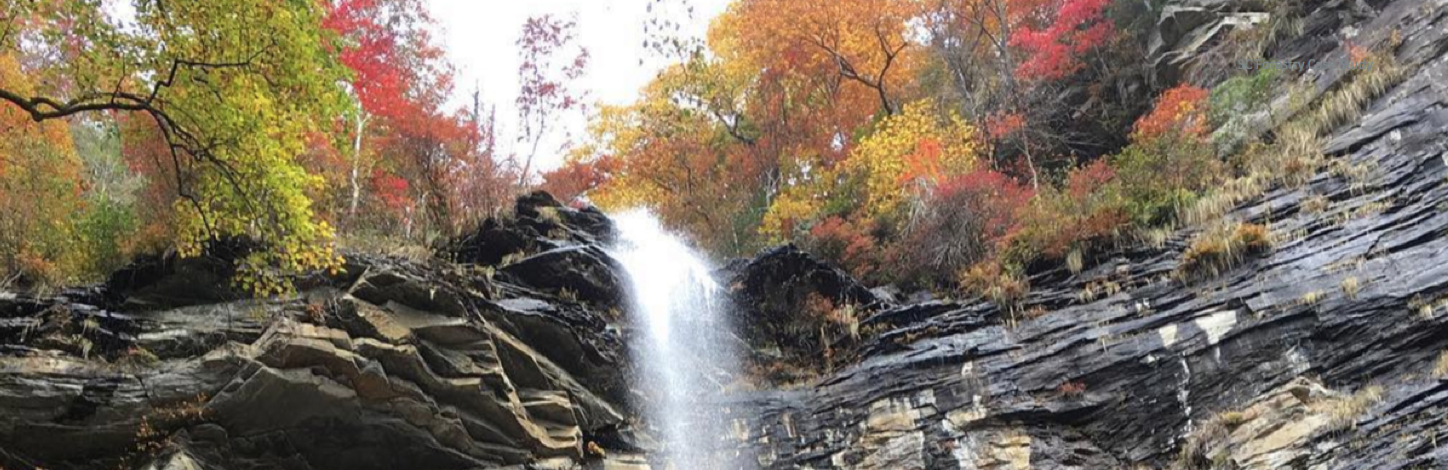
column 682, row 348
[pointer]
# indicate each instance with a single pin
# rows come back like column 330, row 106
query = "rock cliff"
column 390, row 364
column 1326, row 353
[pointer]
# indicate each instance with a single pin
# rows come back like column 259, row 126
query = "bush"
column 1170, row 160
column 107, row 227
column 964, row 221
column 1162, row 175
column 848, row 244
column 1086, row 213
column 1181, row 110
column 1234, row 102
column 990, row 280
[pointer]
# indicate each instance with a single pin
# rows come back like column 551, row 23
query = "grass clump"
column 1351, row 286
column 1222, row 247
column 1006, row 289
column 1312, row 298
column 1316, row 204
column 1343, row 412
column 1440, row 367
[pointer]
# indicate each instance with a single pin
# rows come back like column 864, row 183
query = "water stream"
column 682, row 350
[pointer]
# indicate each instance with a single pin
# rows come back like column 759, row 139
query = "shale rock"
column 773, row 294
column 393, row 365
column 1326, row 353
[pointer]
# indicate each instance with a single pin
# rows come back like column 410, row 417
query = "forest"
column 945, row 145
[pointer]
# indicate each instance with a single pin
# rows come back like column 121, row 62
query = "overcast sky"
column 480, row 37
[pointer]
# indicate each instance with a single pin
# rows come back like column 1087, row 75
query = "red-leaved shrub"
column 964, row 220
column 1182, row 110
column 848, row 244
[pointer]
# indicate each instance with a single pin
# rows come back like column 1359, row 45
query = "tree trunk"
column 357, row 165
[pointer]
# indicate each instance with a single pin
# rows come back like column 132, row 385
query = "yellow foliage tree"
column 917, row 146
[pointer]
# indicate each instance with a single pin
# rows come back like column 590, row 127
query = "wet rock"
column 583, row 273
column 539, row 223
column 409, row 366
column 772, row 293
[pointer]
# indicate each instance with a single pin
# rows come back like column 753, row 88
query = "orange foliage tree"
column 40, row 191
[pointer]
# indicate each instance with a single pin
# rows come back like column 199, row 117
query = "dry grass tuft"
column 1075, row 261
column 1343, row 412
column 1212, row 206
column 1223, row 246
column 988, row 280
column 1315, row 204
column 1312, row 298
column 1351, row 287
column 1440, row 368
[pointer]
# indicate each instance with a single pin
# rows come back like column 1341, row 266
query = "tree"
column 1068, row 29
column 39, row 192
column 551, row 60
column 864, row 42
column 917, row 147
column 387, row 46
column 1039, row 63
column 232, row 87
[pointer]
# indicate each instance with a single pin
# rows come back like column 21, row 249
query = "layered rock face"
column 393, row 364
column 1325, row 353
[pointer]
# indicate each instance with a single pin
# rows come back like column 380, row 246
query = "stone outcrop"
column 392, row 364
column 771, row 295
column 1326, row 353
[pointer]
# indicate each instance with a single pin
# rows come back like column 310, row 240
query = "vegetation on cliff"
column 952, row 146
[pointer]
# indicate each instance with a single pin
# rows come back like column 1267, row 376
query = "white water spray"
column 684, row 351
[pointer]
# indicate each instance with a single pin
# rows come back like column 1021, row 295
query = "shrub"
column 1181, row 110
column 831, row 321
column 847, row 244
column 1007, row 289
column 1170, row 161
column 1241, row 95
column 105, row 227
column 965, row 220
column 1086, row 213
column 1161, row 176
column 1234, row 103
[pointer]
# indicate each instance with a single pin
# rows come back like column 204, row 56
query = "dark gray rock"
column 1348, row 312
column 771, row 294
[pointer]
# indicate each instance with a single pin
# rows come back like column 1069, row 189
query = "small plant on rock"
column 1343, row 412
column 1222, row 247
column 1351, row 287
column 1072, row 389
column 1008, row 290
column 1440, row 368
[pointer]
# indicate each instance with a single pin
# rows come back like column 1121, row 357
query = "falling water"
column 683, row 350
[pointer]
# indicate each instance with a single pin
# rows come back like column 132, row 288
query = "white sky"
column 480, row 35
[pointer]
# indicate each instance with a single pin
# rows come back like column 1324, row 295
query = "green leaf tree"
column 233, row 87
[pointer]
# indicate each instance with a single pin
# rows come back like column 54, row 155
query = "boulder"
column 772, row 295
column 397, row 370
